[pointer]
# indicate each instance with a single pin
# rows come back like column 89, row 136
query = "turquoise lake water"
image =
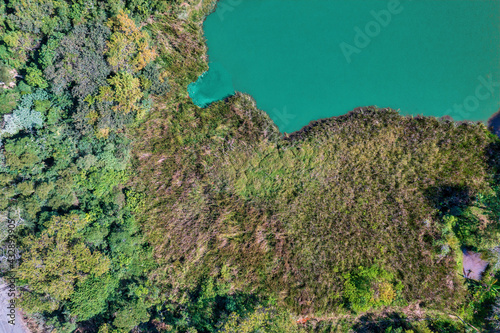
column 303, row 60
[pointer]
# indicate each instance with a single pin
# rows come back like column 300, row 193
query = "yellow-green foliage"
column 369, row 288
column 125, row 91
column 129, row 47
column 261, row 320
column 55, row 261
column 12, row 39
column 34, row 77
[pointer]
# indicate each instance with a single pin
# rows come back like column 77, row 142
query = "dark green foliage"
column 144, row 8
column 130, row 315
column 209, row 306
column 150, row 80
column 38, row 16
column 478, row 225
column 79, row 61
column 494, row 317
column 393, row 322
column 47, row 52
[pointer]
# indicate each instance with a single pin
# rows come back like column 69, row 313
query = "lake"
column 303, row 60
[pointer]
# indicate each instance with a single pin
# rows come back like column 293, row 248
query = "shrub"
column 267, row 320
column 369, row 288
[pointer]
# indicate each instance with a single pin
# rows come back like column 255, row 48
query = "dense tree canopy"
column 74, row 75
column 56, row 261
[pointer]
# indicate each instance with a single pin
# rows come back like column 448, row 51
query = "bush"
column 24, row 116
column 369, row 288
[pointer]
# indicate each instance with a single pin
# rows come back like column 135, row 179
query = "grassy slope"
column 292, row 216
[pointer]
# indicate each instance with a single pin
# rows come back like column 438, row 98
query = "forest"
column 137, row 211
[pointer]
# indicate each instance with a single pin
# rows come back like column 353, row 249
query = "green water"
column 304, row 60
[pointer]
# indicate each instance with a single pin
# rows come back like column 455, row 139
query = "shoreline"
column 492, row 123
column 358, row 110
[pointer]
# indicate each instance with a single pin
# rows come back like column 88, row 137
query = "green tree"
column 125, row 92
column 34, row 77
column 55, row 261
column 90, row 296
column 131, row 315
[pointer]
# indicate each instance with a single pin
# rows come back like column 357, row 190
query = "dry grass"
column 292, row 216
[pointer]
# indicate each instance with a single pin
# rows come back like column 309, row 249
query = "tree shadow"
column 493, row 159
column 494, row 124
column 493, row 149
column 394, row 323
column 449, row 199
column 374, row 323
